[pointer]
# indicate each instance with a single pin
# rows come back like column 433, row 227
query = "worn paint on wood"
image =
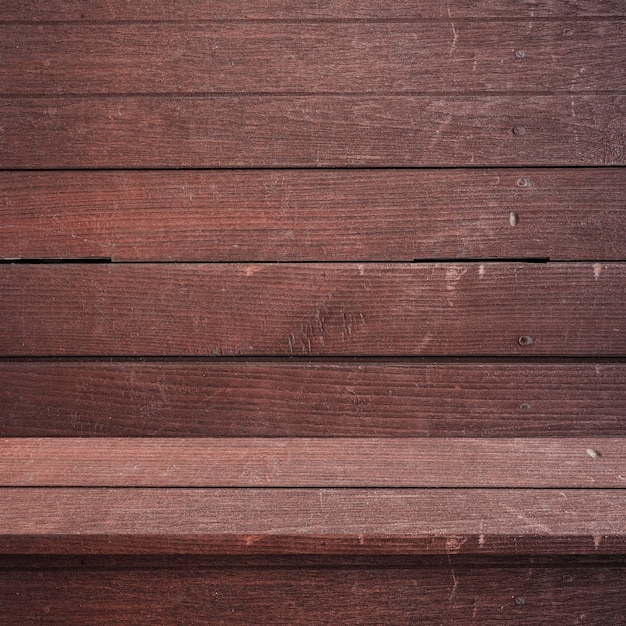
column 285, row 215
column 307, row 462
column 436, row 57
column 312, row 521
column 311, row 131
column 310, row 591
column 228, row 10
column 313, row 309
column 328, row 398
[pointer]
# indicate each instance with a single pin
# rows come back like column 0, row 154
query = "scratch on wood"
column 454, row 543
column 455, row 37
column 597, row 270
column 455, row 580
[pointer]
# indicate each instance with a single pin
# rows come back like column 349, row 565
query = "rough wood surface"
column 307, row 462
column 454, row 57
column 312, row 521
column 311, row 131
column 264, row 398
column 325, row 215
column 314, row 309
column 402, row 591
column 101, row 10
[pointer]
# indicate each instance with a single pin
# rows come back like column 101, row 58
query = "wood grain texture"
column 325, row 215
column 298, row 592
column 311, row 131
column 313, row 309
column 307, row 462
column 267, row 57
column 312, row 521
column 34, row 11
column 312, row 398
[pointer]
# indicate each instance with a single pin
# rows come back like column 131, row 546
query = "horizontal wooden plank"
column 312, row 398
column 311, row 131
column 323, row 215
column 414, row 592
column 34, row 10
column 308, row 462
column 372, row 58
column 312, row 521
column 313, row 309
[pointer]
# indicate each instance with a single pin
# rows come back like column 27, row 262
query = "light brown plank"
column 372, row 58
column 34, row 10
column 312, row 521
column 392, row 398
column 300, row 590
column 306, row 462
column 354, row 215
column 311, row 131
column 315, row 309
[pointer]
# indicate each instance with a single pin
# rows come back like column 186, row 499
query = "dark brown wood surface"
column 422, row 57
column 311, row 131
column 326, row 215
column 328, row 398
column 103, row 10
column 298, row 590
column 314, row 309
column 598, row 462
column 312, row 521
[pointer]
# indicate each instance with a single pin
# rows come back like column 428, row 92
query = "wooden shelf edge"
column 313, row 521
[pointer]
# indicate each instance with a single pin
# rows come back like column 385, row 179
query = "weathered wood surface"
column 597, row 462
column 440, row 57
column 314, row 309
column 312, row 521
column 330, row 398
column 306, row 591
column 324, row 215
column 311, row 131
column 228, row 10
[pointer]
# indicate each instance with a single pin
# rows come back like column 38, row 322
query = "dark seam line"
column 193, row 21
column 311, row 168
column 448, row 95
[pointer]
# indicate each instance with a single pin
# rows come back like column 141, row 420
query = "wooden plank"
column 311, row 131
column 414, row 592
column 313, row 309
column 34, row 10
column 310, row 462
column 311, row 398
column 325, row 215
column 436, row 57
column 312, row 521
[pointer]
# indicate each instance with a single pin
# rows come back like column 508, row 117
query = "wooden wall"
column 313, row 312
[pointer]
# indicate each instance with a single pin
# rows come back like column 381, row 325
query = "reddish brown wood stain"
column 232, row 398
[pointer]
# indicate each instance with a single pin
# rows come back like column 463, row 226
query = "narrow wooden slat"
column 317, row 309
column 345, row 590
column 34, row 10
column 305, row 462
column 311, row 131
column 426, row 57
column 312, row 521
column 327, row 399
column 325, row 215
